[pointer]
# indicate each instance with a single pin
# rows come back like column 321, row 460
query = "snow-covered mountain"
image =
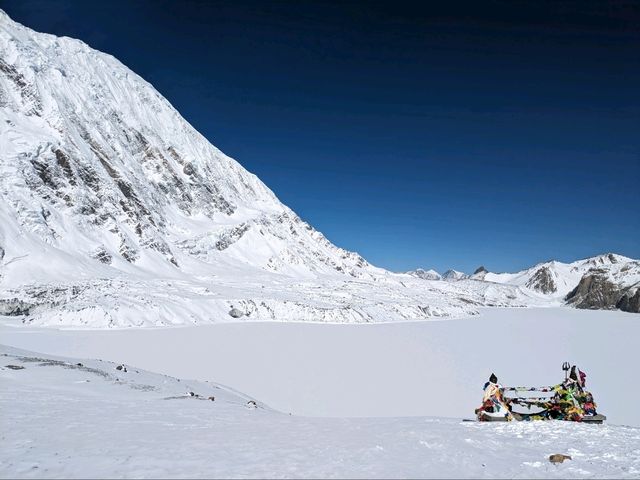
column 425, row 274
column 603, row 281
column 98, row 165
column 453, row 275
column 116, row 212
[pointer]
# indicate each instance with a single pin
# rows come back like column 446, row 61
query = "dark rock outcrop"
column 542, row 281
column 630, row 302
column 597, row 291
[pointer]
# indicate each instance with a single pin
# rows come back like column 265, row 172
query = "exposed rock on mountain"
column 542, row 281
column 596, row 290
column 453, row 275
column 425, row 274
column 605, row 281
column 630, row 301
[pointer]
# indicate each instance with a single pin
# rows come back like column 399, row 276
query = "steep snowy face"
column 98, row 169
column 116, row 212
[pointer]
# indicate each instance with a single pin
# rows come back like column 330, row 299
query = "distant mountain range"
column 604, row 282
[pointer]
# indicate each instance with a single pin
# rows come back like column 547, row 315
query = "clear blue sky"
column 418, row 134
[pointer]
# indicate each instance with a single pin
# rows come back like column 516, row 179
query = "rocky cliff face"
column 542, row 281
column 596, row 290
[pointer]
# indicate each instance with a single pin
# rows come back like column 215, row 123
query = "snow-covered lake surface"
column 433, row 368
column 64, row 418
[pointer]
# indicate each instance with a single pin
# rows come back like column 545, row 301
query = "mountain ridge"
column 608, row 280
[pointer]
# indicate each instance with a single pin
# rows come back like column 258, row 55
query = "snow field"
column 401, row 369
column 61, row 421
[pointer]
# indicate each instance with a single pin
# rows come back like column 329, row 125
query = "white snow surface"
column 93, row 421
column 392, row 369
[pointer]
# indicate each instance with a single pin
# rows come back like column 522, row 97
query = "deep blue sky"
column 418, row 134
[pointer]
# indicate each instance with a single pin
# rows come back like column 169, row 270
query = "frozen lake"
column 431, row 368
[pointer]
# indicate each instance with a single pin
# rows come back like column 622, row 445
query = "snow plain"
column 64, row 418
column 427, row 368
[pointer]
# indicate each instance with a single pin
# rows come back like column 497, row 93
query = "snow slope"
column 93, row 421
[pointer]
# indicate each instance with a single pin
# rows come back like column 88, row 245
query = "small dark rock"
column 213, row 399
column 79, row 365
column 15, row 367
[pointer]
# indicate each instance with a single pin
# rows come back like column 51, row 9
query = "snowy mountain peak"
column 604, row 281
column 453, row 275
column 116, row 212
column 425, row 274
